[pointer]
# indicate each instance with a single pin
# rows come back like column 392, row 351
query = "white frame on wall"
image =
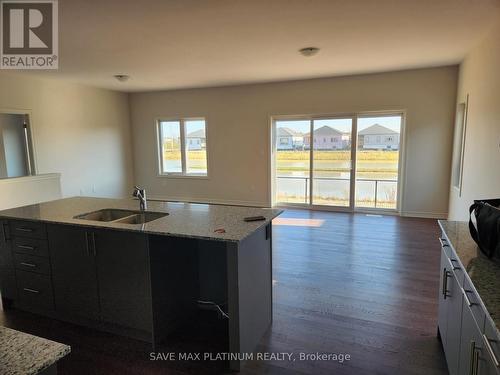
column 159, row 148
column 354, row 116
column 459, row 154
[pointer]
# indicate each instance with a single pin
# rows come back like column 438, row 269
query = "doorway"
column 341, row 163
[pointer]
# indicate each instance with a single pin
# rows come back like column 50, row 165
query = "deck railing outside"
column 370, row 192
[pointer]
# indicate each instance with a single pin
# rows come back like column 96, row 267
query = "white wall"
column 21, row 191
column 83, row 133
column 480, row 78
column 238, row 121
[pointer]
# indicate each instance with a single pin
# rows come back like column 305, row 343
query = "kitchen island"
column 99, row 263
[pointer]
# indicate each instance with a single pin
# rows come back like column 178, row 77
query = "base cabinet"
column 450, row 312
column 124, row 278
column 8, row 287
column 89, row 276
column 74, row 273
column 461, row 322
column 474, row 356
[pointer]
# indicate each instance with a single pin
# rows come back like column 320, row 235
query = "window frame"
column 182, row 131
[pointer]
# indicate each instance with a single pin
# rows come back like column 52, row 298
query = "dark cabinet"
column 94, row 276
column 8, row 287
column 74, row 274
column 101, row 275
column 124, row 278
column 35, row 291
column 5, row 246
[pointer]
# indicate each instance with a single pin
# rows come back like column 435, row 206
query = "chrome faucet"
column 141, row 195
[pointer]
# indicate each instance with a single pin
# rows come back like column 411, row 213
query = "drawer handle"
column 467, row 299
column 28, row 264
column 475, row 370
column 472, row 352
column 446, row 274
column 31, row 290
column 26, row 247
column 490, row 350
column 443, row 242
column 453, row 267
column 23, row 229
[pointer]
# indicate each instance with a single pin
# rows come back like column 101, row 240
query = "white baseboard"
column 208, row 201
column 428, row 215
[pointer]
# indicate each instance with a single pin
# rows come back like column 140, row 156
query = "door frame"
column 352, row 207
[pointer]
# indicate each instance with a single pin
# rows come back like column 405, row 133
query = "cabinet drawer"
column 32, row 263
column 492, row 337
column 471, row 299
column 35, row 291
column 28, row 229
column 30, row 246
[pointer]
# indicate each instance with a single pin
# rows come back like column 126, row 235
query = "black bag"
column 487, row 234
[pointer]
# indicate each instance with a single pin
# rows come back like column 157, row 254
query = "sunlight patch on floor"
column 298, row 222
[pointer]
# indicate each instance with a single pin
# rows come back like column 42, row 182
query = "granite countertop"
column 484, row 274
column 24, row 354
column 184, row 220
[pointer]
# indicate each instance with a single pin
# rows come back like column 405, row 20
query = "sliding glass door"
column 331, row 162
column 321, row 163
column 344, row 162
column 293, row 162
column 377, row 161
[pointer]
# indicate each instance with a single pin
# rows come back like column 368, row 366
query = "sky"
column 343, row 125
column 170, row 129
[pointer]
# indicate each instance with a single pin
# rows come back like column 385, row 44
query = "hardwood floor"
column 366, row 286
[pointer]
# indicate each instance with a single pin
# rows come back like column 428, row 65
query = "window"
column 283, row 141
column 16, row 156
column 389, row 139
column 182, row 146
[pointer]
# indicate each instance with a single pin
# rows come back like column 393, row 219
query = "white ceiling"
column 167, row 44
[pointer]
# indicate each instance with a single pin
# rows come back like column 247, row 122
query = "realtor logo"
column 29, row 34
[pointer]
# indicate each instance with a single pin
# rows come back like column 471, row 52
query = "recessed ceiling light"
column 122, row 77
column 309, row 51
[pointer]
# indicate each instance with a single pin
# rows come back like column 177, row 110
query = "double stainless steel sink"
column 113, row 215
